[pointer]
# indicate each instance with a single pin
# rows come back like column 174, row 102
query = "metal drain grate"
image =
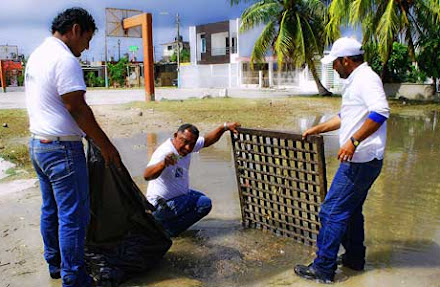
column 281, row 181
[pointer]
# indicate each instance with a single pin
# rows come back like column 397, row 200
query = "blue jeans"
column 178, row 214
column 62, row 171
column 341, row 216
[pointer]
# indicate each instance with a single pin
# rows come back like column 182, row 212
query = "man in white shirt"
column 177, row 206
column 362, row 138
column 59, row 118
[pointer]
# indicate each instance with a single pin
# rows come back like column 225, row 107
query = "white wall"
column 193, row 45
column 246, row 41
column 166, row 52
column 209, row 76
column 218, row 43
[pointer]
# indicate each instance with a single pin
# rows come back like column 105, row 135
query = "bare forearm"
column 85, row 119
column 154, row 171
column 214, row 135
column 346, row 151
column 330, row 125
column 368, row 128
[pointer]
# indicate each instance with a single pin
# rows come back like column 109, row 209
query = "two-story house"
column 220, row 58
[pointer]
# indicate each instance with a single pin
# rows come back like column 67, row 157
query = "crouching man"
column 177, row 206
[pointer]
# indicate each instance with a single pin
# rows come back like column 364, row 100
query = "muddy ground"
column 218, row 251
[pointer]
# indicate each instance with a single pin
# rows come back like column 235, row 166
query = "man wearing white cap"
column 362, row 137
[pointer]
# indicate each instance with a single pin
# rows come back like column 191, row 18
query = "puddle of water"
column 402, row 215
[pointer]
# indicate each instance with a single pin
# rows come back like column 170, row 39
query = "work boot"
column 342, row 260
column 310, row 273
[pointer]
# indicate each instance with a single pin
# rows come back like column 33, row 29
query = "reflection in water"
column 402, row 216
column 151, row 144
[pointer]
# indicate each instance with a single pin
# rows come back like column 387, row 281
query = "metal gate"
column 281, row 181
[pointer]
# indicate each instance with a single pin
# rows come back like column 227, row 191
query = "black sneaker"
column 55, row 275
column 310, row 273
column 353, row 266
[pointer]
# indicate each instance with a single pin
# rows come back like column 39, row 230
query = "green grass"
column 11, row 172
column 267, row 113
column 13, row 139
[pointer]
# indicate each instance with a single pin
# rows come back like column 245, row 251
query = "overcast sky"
column 26, row 23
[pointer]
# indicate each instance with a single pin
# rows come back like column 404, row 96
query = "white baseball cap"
column 343, row 47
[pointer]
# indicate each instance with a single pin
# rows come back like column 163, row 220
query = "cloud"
column 27, row 22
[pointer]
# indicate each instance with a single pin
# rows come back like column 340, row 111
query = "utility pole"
column 105, row 59
column 119, row 49
column 178, row 49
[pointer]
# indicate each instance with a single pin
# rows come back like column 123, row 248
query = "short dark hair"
column 192, row 128
column 66, row 19
column 357, row 58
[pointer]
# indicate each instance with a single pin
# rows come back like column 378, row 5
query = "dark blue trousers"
column 341, row 216
column 179, row 213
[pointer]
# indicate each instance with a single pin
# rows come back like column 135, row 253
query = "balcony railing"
column 223, row 51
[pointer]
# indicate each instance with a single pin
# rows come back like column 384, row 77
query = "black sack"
column 123, row 238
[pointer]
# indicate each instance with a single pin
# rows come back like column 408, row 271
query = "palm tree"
column 383, row 22
column 293, row 31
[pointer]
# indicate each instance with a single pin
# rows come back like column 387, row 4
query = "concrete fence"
column 411, row 91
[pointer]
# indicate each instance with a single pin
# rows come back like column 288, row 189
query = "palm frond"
column 387, row 30
column 368, row 31
column 259, row 13
column 299, row 52
column 358, row 10
column 315, row 8
column 337, row 16
column 314, row 45
column 434, row 7
column 284, row 42
column 263, row 43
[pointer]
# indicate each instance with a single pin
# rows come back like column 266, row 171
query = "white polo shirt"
column 363, row 93
column 52, row 71
column 174, row 179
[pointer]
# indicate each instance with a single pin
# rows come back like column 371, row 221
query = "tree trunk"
column 411, row 50
column 321, row 89
column 436, row 85
column 385, row 77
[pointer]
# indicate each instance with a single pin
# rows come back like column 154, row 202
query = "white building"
column 169, row 49
column 220, row 58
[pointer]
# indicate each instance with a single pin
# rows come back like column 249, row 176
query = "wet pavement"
column 402, row 215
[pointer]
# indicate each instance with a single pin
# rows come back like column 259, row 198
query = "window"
column 219, row 44
column 203, row 43
column 169, row 48
column 234, row 45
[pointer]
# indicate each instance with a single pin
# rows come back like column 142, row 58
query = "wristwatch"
column 355, row 142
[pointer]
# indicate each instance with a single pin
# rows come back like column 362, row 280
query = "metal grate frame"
column 281, row 181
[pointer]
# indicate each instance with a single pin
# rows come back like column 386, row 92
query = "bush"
column 399, row 66
column 93, row 81
column 118, row 72
column 20, row 79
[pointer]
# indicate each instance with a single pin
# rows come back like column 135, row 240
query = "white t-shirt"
column 52, row 71
column 363, row 93
column 174, row 179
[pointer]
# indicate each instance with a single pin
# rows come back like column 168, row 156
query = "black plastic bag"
column 123, row 238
